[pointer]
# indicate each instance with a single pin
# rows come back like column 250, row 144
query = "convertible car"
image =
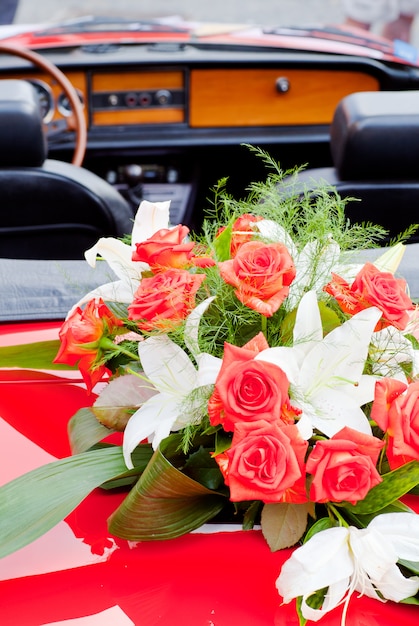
column 97, row 115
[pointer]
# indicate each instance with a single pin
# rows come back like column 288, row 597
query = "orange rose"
column 165, row 249
column 80, row 337
column 242, row 231
column 265, row 462
column 396, row 411
column 261, row 273
column 344, row 467
column 247, row 391
column 372, row 287
column 165, row 300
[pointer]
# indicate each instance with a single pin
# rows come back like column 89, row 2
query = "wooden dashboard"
column 204, row 97
column 270, row 97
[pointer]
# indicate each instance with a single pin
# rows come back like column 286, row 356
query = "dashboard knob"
column 282, row 84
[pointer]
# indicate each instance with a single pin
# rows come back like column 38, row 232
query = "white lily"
column 345, row 560
column 169, row 369
column 390, row 349
column 326, row 374
column 314, row 263
column 150, row 217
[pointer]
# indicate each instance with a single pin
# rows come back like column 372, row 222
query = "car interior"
column 117, row 124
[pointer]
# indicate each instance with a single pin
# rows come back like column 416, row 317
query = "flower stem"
column 334, row 511
column 107, row 344
column 264, row 324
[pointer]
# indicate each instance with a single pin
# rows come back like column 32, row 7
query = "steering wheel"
column 76, row 121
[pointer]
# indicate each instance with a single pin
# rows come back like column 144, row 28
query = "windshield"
column 17, row 15
column 278, row 12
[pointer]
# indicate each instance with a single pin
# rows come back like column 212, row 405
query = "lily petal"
column 155, row 416
column 323, row 561
column 287, row 358
column 167, row 365
column 308, row 323
column 337, row 409
column 275, row 233
column 208, row 368
column 150, row 218
column 335, row 595
column 118, row 256
column 402, row 529
column 326, row 374
column 390, row 260
column 340, row 358
column 192, row 325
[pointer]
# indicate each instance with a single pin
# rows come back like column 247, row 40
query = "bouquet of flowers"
column 260, row 374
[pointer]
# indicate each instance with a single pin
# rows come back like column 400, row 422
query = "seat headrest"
column 22, row 139
column 375, row 136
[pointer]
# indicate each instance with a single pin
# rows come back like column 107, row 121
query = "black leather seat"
column 48, row 209
column 375, row 151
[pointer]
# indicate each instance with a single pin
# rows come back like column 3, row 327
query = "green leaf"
column 85, row 431
column 222, row 441
column 222, row 244
column 252, row 513
column 140, row 456
column 322, row 524
column 201, row 467
column 283, row 524
column 394, row 485
column 412, row 600
column 35, row 502
column 164, row 504
column 38, row 355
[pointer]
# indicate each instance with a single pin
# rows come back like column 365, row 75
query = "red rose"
column 265, row 462
column 247, row 390
column 261, row 273
column 165, row 249
column 372, row 287
column 165, row 300
column 386, row 391
column 80, row 337
column 344, row 467
column 396, row 411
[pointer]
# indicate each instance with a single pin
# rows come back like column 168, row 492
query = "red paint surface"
column 78, row 570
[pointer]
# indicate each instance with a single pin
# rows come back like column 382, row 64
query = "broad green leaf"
column 283, row 524
column 85, row 431
column 413, row 566
column 362, row 521
column 394, row 485
column 164, row 504
column 38, row 355
column 140, row 457
column 35, row 502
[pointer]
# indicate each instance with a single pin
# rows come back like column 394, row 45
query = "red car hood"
column 329, row 39
column 78, row 571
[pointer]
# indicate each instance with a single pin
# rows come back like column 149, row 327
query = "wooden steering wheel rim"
column 77, row 108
